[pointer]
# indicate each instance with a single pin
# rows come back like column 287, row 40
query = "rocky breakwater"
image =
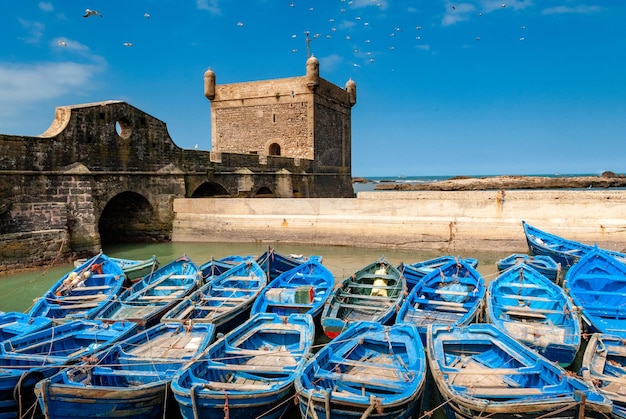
column 466, row 183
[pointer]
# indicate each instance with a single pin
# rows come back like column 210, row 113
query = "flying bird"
column 240, row 24
column 127, row 44
column 89, row 12
column 146, row 15
column 61, row 43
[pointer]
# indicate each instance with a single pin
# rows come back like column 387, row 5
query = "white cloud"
column 347, row 24
column 23, row 86
column 367, row 3
column 45, row 6
column 73, row 46
column 330, row 62
column 211, row 5
column 461, row 12
column 568, row 9
column 34, row 29
column 488, row 6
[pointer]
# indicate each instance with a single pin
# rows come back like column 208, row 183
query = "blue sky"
column 443, row 88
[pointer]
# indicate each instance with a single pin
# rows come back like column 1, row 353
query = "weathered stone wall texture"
column 448, row 222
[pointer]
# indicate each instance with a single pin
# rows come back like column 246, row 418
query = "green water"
column 18, row 291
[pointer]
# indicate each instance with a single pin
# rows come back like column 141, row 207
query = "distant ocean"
column 375, row 180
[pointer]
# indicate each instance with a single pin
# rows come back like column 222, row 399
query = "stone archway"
column 210, row 189
column 264, row 192
column 129, row 218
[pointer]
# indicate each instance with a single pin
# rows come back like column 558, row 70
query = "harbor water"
column 17, row 291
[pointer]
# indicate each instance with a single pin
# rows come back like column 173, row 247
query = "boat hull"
column 373, row 293
column 482, row 372
column 88, row 402
column 316, row 407
column 249, row 372
column 370, row 370
column 602, row 366
column 534, row 310
column 132, row 379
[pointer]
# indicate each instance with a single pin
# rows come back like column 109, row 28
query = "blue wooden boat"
column 274, row 263
column 225, row 301
column 130, row 379
column 147, row 300
column 415, row 272
column 604, row 366
column 373, row 293
column 451, row 295
column 248, row 373
column 482, row 372
column 543, row 264
column 369, row 370
column 563, row 251
column 597, row 285
column 83, row 292
column 534, row 310
column 215, row 267
column 27, row 359
column 134, row 269
column 303, row 289
column 14, row 324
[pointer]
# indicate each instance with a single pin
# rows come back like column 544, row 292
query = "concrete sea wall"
column 462, row 221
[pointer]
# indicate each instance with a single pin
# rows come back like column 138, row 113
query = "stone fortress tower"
column 302, row 117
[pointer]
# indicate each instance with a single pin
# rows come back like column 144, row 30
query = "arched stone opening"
column 274, row 149
column 210, row 189
column 129, row 218
column 264, row 192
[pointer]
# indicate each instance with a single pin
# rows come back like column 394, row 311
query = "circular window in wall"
column 123, row 128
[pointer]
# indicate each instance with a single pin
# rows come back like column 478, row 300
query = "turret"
column 312, row 72
column 209, row 84
column 351, row 89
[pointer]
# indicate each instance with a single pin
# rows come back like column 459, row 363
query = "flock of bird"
column 363, row 50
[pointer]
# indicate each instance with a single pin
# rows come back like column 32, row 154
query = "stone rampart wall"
column 449, row 222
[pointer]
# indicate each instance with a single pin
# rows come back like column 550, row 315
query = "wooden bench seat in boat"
column 530, row 311
column 447, row 292
column 527, row 297
column 224, row 298
column 126, row 373
column 92, row 288
column 506, row 392
column 360, row 380
column 448, row 305
column 220, row 386
column 242, row 278
column 182, row 276
column 172, row 296
column 100, row 276
column 74, row 298
column 362, row 307
column 379, row 276
column 233, row 289
column 366, row 297
column 370, row 286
